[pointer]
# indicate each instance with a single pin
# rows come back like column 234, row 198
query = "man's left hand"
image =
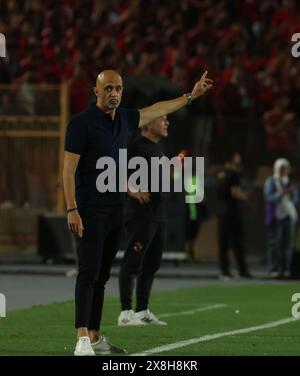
column 142, row 197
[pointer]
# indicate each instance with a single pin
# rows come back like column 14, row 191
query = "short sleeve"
column 76, row 136
column 132, row 118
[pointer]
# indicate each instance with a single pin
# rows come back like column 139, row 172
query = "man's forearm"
column 167, row 107
column 160, row 109
column 69, row 189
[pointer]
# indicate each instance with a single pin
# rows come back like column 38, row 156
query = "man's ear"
column 95, row 91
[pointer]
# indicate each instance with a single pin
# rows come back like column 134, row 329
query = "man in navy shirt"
column 94, row 217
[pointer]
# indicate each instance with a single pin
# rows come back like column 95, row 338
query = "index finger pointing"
column 204, row 75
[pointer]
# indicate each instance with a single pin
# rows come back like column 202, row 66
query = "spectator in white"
column 280, row 217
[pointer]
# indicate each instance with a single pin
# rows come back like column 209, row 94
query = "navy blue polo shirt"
column 93, row 134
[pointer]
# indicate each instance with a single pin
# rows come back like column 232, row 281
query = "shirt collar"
column 98, row 112
column 146, row 139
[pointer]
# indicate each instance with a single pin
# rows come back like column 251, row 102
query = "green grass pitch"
column 48, row 330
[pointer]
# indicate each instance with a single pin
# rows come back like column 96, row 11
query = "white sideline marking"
column 192, row 311
column 210, row 337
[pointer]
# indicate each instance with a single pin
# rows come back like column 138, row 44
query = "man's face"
column 109, row 89
column 284, row 171
column 159, row 127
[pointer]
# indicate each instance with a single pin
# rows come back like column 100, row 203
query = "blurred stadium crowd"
column 244, row 44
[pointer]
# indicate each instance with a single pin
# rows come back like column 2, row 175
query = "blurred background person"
column 230, row 227
column 194, row 212
column 145, row 222
column 195, row 215
column 281, row 218
column 280, row 130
